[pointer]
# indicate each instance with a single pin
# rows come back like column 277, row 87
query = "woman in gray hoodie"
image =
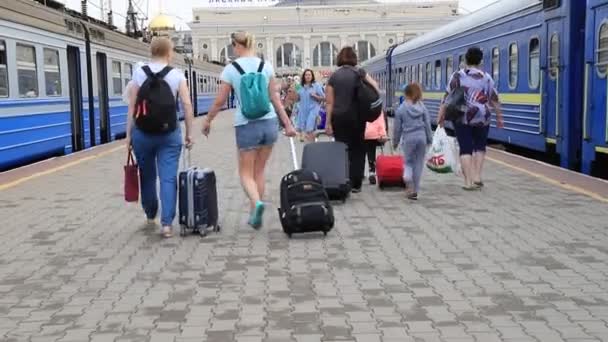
column 412, row 129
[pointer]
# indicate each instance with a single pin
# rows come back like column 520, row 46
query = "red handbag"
column 131, row 178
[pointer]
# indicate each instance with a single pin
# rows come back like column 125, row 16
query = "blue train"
column 62, row 77
column 549, row 59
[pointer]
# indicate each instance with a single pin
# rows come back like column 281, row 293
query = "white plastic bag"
column 455, row 148
column 441, row 157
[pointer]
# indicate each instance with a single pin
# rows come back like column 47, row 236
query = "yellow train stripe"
column 551, row 141
column 552, row 181
column 58, row 168
column 528, row 99
column 601, row 149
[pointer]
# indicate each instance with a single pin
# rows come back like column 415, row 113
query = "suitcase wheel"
column 325, row 233
column 381, row 185
column 217, row 228
column 289, row 235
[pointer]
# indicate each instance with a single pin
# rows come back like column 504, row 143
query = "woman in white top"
column 254, row 137
column 159, row 153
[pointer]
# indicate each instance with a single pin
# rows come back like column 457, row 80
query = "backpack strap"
column 161, row 74
column 261, row 67
column 148, row 71
column 238, row 68
column 166, row 70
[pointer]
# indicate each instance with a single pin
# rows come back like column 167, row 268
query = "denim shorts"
column 257, row 133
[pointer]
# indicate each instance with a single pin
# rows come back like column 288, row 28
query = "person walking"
column 375, row 135
column 473, row 127
column 412, row 130
column 343, row 121
column 310, row 97
column 255, row 119
column 157, row 149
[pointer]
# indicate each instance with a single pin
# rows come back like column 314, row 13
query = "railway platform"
column 524, row 260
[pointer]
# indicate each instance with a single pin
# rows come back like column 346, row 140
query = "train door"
column 75, row 84
column 195, row 92
column 595, row 113
column 553, row 85
column 104, row 101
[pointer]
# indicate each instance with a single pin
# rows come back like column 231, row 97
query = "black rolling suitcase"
column 198, row 205
column 330, row 160
column 305, row 206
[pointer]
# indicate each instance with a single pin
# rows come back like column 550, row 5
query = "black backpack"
column 369, row 102
column 156, row 109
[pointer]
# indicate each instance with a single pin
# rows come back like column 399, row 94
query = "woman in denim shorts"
column 254, row 138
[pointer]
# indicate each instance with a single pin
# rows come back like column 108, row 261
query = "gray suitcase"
column 329, row 159
column 198, row 204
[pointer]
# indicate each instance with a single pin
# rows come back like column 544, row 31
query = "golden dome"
column 162, row 22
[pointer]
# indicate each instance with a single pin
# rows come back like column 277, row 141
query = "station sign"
column 241, row 3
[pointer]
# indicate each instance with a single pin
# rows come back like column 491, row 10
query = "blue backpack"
column 255, row 100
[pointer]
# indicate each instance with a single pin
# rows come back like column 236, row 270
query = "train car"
column 62, row 76
column 533, row 51
column 595, row 111
column 379, row 68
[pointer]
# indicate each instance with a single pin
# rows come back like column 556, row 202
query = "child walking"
column 413, row 131
column 375, row 135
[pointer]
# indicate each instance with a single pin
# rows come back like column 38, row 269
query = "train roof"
column 485, row 15
column 59, row 20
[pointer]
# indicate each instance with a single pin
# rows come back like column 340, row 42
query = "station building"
column 298, row 34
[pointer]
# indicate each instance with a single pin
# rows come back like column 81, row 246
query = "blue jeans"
column 158, row 152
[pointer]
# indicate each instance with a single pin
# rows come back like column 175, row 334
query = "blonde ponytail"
column 243, row 38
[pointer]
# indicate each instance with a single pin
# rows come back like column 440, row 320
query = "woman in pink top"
column 375, row 135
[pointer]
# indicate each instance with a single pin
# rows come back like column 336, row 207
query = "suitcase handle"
column 294, row 157
column 186, row 153
column 389, row 139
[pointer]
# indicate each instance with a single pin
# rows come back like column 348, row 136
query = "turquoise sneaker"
column 255, row 219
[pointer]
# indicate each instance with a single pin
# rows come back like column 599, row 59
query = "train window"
column 117, row 78
column 495, row 64
column 52, row 76
column 26, row 71
column 420, row 73
column 201, row 84
column 406, row 75
column 429, row 76
column 437, row 74
column 602, row 50
column 461, row 63
column 534, row 65
column 513, row 65
column 128, row 73
column 554, row 56
column 449, row 69
column 3, row 71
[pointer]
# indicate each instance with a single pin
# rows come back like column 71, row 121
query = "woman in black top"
column 343, row 121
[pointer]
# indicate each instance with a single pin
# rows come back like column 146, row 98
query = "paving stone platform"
column 520, row 261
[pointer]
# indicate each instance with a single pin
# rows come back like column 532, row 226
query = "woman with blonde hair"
column 255, row 119
column 159, row 152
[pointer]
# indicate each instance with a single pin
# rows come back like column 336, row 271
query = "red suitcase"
column 389, row 170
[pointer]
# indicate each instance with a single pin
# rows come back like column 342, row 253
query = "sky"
column 182, row 9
